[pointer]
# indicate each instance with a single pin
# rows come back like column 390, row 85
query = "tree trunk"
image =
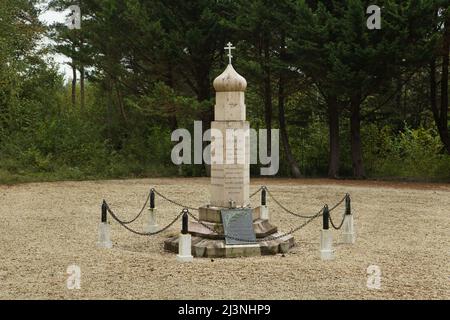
column 172, row 116
column 283, row 131
column 333, row 121
column 440, row 115
column 82, row 76
column 268, row 109
column 282, row 116
column 120, row 102
column 444, row 85
column 284, row 137
column 433, row 93
column 355, row 137
column 204, row 94
column 109, row 111
column 81, row 69
column 74, row 85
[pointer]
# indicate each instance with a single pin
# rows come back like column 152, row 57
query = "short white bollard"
column 103, row 229
column 150, row 223
column 326, row 237
column 184, row 248
column 326, row 245
column 348, row 236
column 264, row 213
column 184, row 242
column 349, row 233
column 104, row 240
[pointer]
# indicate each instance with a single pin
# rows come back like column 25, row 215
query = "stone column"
column 230, row 179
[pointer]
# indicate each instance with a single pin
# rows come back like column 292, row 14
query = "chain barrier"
column 299, row 215
column 339, row 203
column 192, row 208
column 289, row 211
column 343, row 217
column 268, row 238
column 140, row 212
column 256, row 192
column 173, row 201
column 340, row 225
column 142, row 233
column 187, row 208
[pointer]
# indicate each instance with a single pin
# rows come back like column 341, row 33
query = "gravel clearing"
column 401, row 227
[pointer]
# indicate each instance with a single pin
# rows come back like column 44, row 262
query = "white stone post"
column 326, row 245
column 184, row 242
column 326, row 238
column 264, row 208
column 349, row 233
column 150, row 223
column 184, row 248
column 264, row 212
column 104, row 240
column 348, row 236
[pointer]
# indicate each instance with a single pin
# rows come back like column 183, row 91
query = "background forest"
column 349, row 101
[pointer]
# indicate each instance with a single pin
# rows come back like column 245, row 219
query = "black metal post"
column 185, row 223
column 348, row 206
column 104, row 211
column 263, row 197
column 326, row 218
column 152, row 199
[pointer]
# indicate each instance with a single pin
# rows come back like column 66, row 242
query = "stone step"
column 213, row 248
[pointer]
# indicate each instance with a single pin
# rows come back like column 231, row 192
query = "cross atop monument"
column 229, row 47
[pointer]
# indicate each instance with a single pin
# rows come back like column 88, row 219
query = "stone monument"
column 230, row 179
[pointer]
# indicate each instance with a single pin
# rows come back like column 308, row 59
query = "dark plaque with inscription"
column 238, row 226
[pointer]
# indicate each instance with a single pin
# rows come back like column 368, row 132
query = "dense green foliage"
column 146, row 68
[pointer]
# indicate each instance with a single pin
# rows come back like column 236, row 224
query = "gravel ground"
column 401, row 227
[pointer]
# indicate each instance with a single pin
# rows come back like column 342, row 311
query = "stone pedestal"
column 209, row 248
column 206, row 243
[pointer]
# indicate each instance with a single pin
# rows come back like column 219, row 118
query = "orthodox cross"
column 229, row 48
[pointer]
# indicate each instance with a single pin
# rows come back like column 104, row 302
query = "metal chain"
column 289, row 211
column 254, row 193
column 186, row 209
column 302, row 225
column 299, row 215
column 340, row 225
column 173, row 201
column 143, row 233
column 268, row 238
column 339, row 203
column 192, row 208
column 343, row 218
column 332, row 223
column 140, row 212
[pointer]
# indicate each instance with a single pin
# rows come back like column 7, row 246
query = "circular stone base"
column 216, row 248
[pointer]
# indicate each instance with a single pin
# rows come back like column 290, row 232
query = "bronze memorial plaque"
column 238, row 223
